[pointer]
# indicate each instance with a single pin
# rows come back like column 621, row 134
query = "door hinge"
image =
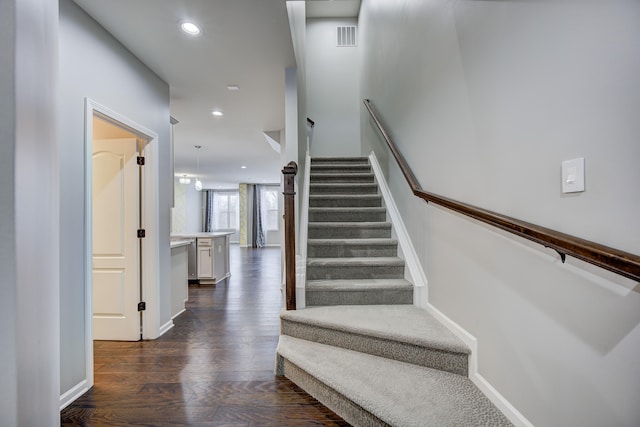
column 141, row 160
column 142, row 233
column 142, row 306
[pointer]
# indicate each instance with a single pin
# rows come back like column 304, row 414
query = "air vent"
column 346, row 36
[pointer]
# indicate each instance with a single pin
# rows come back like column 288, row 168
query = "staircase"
column 361, row 347
column 352, row 258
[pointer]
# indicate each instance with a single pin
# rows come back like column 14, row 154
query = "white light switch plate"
column 573, row 175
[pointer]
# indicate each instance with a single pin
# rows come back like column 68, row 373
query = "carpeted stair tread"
column 341, row 177
column 341, row 230
column 401, row 323
column 323, row 248
column 397, row 393
column 358, row 284
column 335, row 188
column 342, row 291
column 347, row 214
column 356, row 261
column 399, row 332
column 342, row 165
column 345, row 200
column 347, row 174
column 355, row 268
column 315, row 167
column 348, row 160
column 343, row 224
column 354, row 242
column 354, row 209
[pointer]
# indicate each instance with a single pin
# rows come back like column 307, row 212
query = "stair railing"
column 289, row 172
column 620, row 262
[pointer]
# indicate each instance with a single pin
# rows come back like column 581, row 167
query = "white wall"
column 195, row 210
column 29, row 172
column 295, row 87
column 291, row 144
column 485, row 99
column 332, row 90
column 93, row 64
column 187, row 212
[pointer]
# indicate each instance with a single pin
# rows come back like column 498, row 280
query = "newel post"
column 289, row 172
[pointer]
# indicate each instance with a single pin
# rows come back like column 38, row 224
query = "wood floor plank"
column 213, row 368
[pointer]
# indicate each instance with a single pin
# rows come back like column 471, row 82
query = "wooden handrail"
column 620, row 262
column 289, row 172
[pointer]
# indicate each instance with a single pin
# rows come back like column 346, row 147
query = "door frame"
column 149, row 204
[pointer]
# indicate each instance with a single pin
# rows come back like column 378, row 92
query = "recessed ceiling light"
column 243, row 167
column 190, row 28
column 233, row 87
column 217, row 113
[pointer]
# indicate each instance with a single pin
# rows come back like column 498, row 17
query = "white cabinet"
column 205, row 258
column 208, row 257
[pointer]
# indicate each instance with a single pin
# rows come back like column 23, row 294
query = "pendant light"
column 184, row 180
column 198, row 184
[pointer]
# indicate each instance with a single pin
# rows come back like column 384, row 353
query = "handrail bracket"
column 563, row 256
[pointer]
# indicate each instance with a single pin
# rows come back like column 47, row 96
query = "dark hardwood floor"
column 214, row 368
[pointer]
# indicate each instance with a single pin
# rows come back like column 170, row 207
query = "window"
column 270, row 207
column 225, row 207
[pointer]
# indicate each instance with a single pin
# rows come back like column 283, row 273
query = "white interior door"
column 116, row 258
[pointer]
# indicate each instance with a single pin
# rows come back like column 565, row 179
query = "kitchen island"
column 208, row 256
column 179, row 275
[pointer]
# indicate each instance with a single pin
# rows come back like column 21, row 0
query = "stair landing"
column 382, row 391
column 401, row 332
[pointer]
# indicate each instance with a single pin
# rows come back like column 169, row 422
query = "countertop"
column 184, row 236
column 183, row 239
column 178, row 242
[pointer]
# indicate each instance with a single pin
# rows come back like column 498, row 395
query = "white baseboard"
column 226, row 276
column 164, row 328
column 178, row 313
column 487, row 389
column 457, row 330
column 500, row 401
column 76, row 391
column 414, row 268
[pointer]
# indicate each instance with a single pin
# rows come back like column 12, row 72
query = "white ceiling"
column 242, row 42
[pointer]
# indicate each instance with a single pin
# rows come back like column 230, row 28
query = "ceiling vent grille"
column 346, row 36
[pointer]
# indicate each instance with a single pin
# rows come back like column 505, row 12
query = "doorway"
column 117, row 270
column 120, row 199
